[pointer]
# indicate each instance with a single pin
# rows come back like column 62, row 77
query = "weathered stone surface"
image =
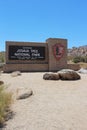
column 51, row 76
column 15, row 73
column 82, row 71
column 24, row 93
column 68, row 74
column 1, row 82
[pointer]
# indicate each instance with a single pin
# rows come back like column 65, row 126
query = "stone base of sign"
column 33, row 57
column 26, row 67
column 75, row 67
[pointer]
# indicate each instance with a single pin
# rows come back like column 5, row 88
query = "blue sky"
column 37, row 20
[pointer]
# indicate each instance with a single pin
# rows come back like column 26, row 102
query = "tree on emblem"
column 58, row 51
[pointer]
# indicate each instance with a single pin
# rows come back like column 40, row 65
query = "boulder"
column 51, row 76
column 24, row 93
column 15, row 73
column 82, row 71
column 68, row 74
column 1, row 82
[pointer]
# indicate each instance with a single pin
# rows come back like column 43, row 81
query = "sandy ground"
column 55, row 105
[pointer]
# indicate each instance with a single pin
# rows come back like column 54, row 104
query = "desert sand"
column 54, row 105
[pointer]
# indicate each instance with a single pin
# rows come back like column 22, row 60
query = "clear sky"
column 37, row 20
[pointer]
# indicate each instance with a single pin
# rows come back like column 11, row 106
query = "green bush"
column 5, row 102
column 85, row 59
column 78, row 59
column 2, row 57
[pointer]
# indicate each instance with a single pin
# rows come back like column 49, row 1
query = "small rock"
column 82, row 71
column 51, row 76
column 24, row 93
column 1, row 82
column 15, row 73
column 9, row 115
column 68, row 74
column 1, row 72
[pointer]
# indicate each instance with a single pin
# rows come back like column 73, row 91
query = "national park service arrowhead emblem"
column 58, row 51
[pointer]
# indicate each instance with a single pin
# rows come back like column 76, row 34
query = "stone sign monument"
column 33, row 57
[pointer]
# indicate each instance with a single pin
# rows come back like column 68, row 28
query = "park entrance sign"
column 26, row 53
column 33, row 56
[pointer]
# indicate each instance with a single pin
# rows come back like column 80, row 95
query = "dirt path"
column 55, row 105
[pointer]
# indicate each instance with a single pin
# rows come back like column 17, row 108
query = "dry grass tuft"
column 83, row 65
column 5, row 102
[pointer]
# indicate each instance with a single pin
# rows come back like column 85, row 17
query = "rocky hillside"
column 78, row 51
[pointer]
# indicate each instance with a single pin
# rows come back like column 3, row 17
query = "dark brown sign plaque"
column 26, row 52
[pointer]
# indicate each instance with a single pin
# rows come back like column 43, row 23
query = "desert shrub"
column 80, row 59
column 1, row 65
column 69, row 58
column 85, row 59
column 2, row 57
column 77, row 59
column 5, row 102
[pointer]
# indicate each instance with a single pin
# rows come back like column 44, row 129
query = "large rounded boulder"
column 51, row 76
column 68, row 74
